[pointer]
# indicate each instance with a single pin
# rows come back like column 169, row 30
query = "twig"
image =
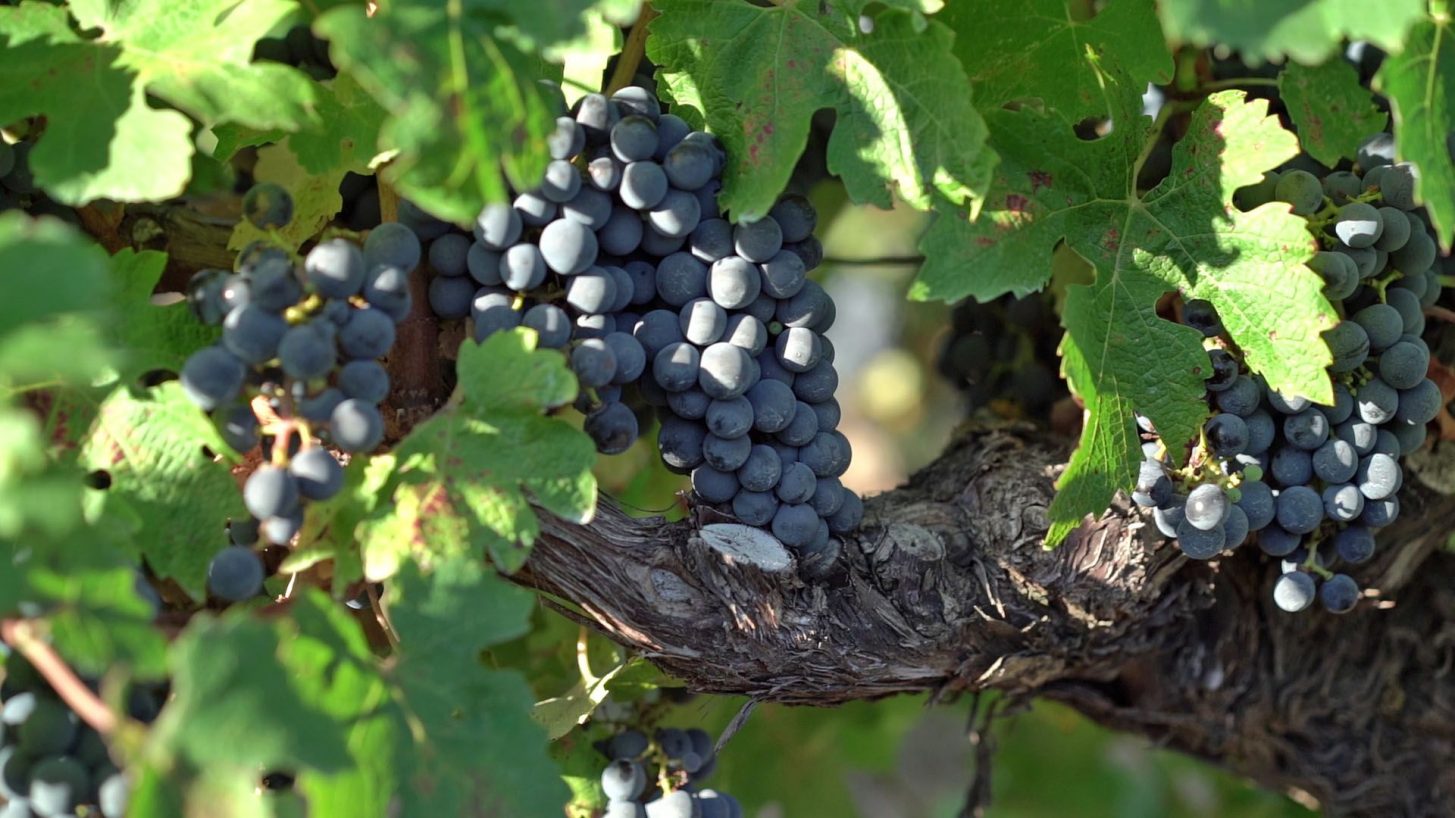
column 977, row 798
column 583, row 657
column 1154, row 133
column 631, row 52
column 1442, row 313
column 74, row 692
column 388, row 200
column 384, row 624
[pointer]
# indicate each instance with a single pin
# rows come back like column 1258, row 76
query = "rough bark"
column 947, row 589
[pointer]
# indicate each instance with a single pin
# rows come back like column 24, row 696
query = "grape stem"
column 1155, row 133
column 20, row 635
column 1381, row 285
column 388, row 201
column 631, row 52
column 1311, row 565
column 377, row 607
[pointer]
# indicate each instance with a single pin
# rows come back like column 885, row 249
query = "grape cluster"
column 621, row 259
column 52, row 764
column 300, row 49
column 1002, row 350
column 682, row 758
column 297, row 370
column 18, row 190
column 1315, row 482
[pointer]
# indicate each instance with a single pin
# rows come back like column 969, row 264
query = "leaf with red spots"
column 1332, row 111
column 905, row 122
column 1184, row 235
column 1055, row 51
column 463, row 482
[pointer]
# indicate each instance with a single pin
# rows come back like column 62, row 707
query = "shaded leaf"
column 460, row 101
column 1332, row 111
column 152, row 446
column 155, row 337
column 1422, row 97
column 1013, row 49
column 1309, row 31
column 905, row 120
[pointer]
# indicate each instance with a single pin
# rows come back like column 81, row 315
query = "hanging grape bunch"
column 1004, row 350
column 1314, row 483
column 52, row 762
column 18, row 190
column 621, row 259
column 296, row 369
column 681, row 759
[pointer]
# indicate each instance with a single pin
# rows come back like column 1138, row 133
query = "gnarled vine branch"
column 947, row 588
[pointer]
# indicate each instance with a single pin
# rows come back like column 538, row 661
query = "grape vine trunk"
column 954, row 594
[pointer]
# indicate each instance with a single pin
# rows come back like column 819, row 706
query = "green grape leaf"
column 48, row 269
column 231, row 137
column 238, row 707
column 151, row 444
column 1332, row 111
column 905, row 118
column 63, row 567
column 217, row 793
column 1183, row 235
column 198, row 57
column 444, row 621
column 1018, row 50
column 454, row 114
column 88, row 123
column 1309, row 31
column 436, row 733
column 56, row 288
column 330, row 646
column 36, row 501
column 316, row 199
column 1422, row 97
column 347, row 133
column 561, row 714
column 458, row 482
column 550, row 25
column 154, row 337
column 97, row 620
column 68, row 350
